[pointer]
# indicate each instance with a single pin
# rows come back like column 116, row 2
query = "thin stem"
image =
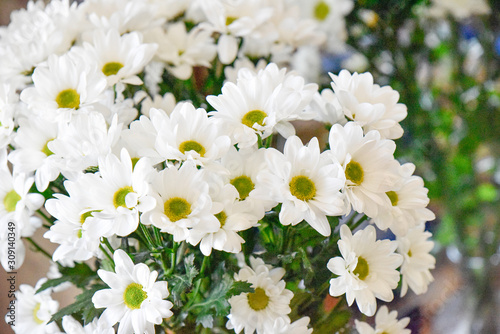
column 38, row 248
column 147, row 236
column 106, row 242
column 45, row 217
column 107, row 255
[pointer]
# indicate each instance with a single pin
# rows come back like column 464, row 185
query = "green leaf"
column 82, row 305
column 181, row 283
column 80, row 275
column 487, row 192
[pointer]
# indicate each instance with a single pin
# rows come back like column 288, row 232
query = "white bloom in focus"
column 231, row 72
column 259, row 310
column 307, row 182
column 369, row 165
column 166, row 103
column 417, row 260
column 327, row 107
column 134, row 299
column 182, row 203
column 385, row 322
column 369, row 105
column 366, row 270
column 408, row 204
column 261, row 104
column 119, row 58
column 33, row 311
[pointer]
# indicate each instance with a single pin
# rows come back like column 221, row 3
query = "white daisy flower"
column 285, row 326
column 8, row 100
column 62, row 85
column 33, row 311
column 369, row 166
column 166, row 103
column 97, row 326
column 189, row 134
column 369, row 105
column 134, row 299
column 306, row 182
column 327, row 107
column 409, row 201
column 182, row 203
column 366, row 270
column 119, row 58
column 182, row 50
column 385, row 322
column 263, row 103
column 32, row 152
column 259, row 310
column 418, row 260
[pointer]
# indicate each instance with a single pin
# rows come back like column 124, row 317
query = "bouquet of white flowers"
column 143, row 135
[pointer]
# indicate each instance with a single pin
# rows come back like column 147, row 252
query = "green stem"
column 45, row 217
column 106, row 242
column 38, row 248
column 147, row 235
column 110, row 258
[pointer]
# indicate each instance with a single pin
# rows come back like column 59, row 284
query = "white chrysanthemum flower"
column 327, row 108
column 366, row 270
column 459, row 9
column 285, row 326
column 62, row 85
column 385, row 322
column 189, row 134
column 259, row 310
column 369, row 165
column 182, row 203
column 8, row 100
column 231, row 72
column 32, row 152
column 97, row 326
column 235, row 20
column 415, row 270
column 306, row 182
column 117, row 193
column 409, row 201
column 182, row 50
column 81, row 142
column 369, row 105
column 134, row 299
column 34, row 310
column 263, row 103
column 119, row 58
column 166, row 103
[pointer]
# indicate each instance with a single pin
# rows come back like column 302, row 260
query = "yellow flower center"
column 221, row 216
column 302, row 187
column 10, row 200
column 362, row 269
column 191, row 145
column 119, row 196
column 354, row 172
column 111, row 68
column 83, row 218
column 68, row 98
column 35, row 314
column 321, row 10
column 134, row 295
column 230, row 19
column 258, row 300
column 244, row 185
column 410, row 253
column 45, row 148
column 252, row 117
column 176, row 208
column 393, row 196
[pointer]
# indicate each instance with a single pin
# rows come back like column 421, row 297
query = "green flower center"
column 134, row 162
column 302, row 187
column 258, row 300
column 176, row 209
column 35, row 314
column 83, row 218
column 191, row 145
column 119, row 196
column 221, row 216
column 252, row 117
column 362, row 269
column 321, row 10
column 45, row 148
column 393, row 196
column 111, row 68
column 68, row 98
column 354, row 172
column 10, row 200
column 244, row 185
column 134, row 295
column 230, row 19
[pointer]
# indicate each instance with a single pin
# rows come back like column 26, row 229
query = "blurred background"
column 444, row 59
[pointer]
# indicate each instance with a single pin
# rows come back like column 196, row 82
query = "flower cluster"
column 145, row 135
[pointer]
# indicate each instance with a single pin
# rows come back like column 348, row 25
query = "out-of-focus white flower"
column 134, row 299
column 259, row 310
column 415, row 270
column 385, row 322
column 459, row 9
column 366, row 270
